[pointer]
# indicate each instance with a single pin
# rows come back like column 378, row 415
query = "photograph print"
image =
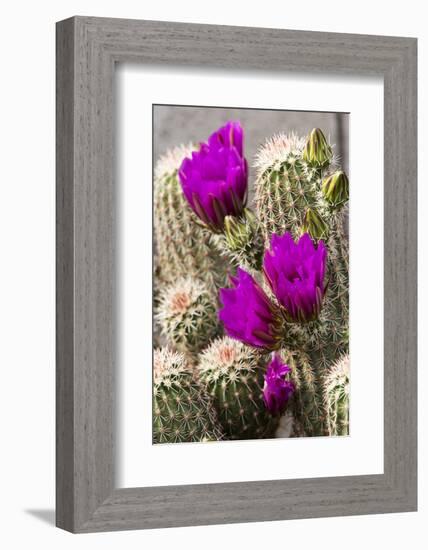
column 250, row 274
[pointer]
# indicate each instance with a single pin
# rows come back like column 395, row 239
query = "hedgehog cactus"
column 339, row 265
column 286, row 308
column 286, row 186
column 297, row 191
column 233, row 375
column 183, row 247
column 309, row 407
column 187, row 315
column 182, row 411
column 336, row 395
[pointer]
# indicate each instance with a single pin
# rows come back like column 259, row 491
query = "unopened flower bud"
column 335, row 188
column 239, row 231
column 317, row 151
column 314, row 224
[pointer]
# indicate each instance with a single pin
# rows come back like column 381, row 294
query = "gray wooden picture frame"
column 87, row 51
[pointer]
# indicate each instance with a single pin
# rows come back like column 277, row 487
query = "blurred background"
column 175, row 124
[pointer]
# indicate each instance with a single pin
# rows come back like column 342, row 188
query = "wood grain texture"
column 64, row 276
column 87, row 49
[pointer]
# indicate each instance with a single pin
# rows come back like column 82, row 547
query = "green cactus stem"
column 182, row 411
column 233, row 375
column 187, row 315
column 338, row 265
column 285, row 188
column 183, row 246
column 307, row 405
column 292, row 195
column 336, row 395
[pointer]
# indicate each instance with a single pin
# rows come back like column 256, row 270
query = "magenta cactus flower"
column 277, row 390
column 296, row 273
column 248, row 314
column 214, row 180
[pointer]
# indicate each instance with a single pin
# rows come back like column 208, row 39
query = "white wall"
column 27, row 272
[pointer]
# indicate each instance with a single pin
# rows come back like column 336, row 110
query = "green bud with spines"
column 335, row 188
column 314, row 224
column 317, row 151
column 336, row 394
column 239, row 231
column 242, row 242
column 187, row 315
column 182, row 411
column 286, row 188
column 233, row 375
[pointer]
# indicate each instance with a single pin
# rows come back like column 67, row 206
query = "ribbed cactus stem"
column 183, row 246
column 326, row 339
column 336, row 395
column 339, row 261
column 308, row 401
column 285, row 186
column 283, row 196
column 233, row 375
column 187, row 315
column 290, row 197
column 182, row 411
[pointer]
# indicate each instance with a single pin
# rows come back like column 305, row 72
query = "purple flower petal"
column 248, row 314
column 277, row 389
column 296, row 273
column 217, row 176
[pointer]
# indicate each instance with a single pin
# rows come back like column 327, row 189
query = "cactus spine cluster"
column 187, row 315
column 286, row 187
column 232, row 374
column 298, row 190
column 182, row 411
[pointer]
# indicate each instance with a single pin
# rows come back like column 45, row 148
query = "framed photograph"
column 236, row 274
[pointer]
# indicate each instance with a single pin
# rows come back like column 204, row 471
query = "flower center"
column 180, row 302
